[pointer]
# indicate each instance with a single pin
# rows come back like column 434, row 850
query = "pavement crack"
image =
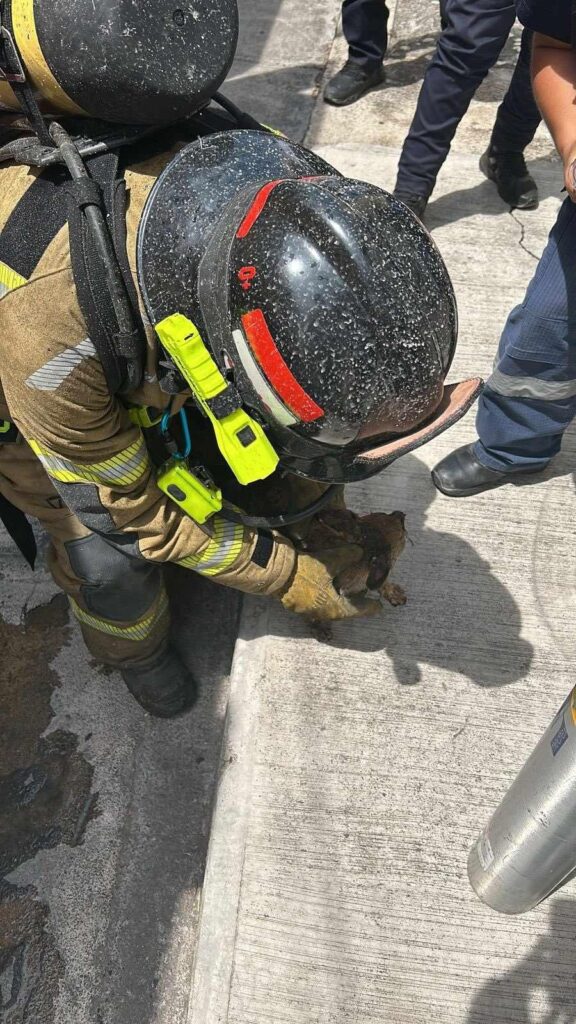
column 521, row 241
column 461, row 729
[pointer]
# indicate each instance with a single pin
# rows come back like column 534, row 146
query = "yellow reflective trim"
column 125, row 468
column 138, row 631
column 222, row 551
column 9, row 279
column 24, row 25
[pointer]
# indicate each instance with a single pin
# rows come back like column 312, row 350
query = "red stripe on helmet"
column 256, row 208
column 260, row 200
column 278, row 373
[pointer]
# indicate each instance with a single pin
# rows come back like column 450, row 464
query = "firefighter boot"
column 161, row 684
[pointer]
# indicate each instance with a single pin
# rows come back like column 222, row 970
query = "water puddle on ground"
column 45, row 799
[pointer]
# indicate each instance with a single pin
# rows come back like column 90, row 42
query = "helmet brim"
column 456, row 401
column 342, row 465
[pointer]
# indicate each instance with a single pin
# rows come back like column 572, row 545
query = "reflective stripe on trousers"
column 530, row 399
column 90, row 580
column 134, row 631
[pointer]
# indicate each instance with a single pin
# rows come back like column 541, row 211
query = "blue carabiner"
column 165, row 425
column 186, row 432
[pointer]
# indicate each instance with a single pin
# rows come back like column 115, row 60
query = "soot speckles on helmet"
column 323, row 296
column 331, row 335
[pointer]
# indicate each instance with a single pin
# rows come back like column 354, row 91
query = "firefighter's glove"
column 311, row 591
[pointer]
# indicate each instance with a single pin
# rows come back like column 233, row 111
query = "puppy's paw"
column 393, row 593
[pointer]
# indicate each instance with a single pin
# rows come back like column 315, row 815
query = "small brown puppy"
column 382, row 538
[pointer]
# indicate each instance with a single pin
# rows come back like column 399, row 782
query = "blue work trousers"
column 475, row 33
column 364, row 23
column 530, row 399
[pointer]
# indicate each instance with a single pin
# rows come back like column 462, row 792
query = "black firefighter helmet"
column 322, row 298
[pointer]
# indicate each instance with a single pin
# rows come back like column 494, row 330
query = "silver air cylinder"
column 528, row 848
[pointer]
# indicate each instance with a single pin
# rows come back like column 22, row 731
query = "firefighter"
column 530, row 399
column 192, row 319
column 310, row 317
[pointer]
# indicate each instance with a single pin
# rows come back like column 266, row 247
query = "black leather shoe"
column 161, row 684
column 351, row 82
column 515, row 184
column 417, row 204
column 460, row 474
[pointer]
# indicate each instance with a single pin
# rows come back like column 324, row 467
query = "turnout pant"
column 120, row 601
column 475, row 33
column 530, row 399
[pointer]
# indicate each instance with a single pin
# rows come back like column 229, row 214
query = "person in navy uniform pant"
column 530, row 399
column 474, row 33
column 365, row 27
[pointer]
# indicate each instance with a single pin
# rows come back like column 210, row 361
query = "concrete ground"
column 354, row 774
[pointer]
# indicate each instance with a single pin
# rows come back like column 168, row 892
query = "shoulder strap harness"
column 115, row 329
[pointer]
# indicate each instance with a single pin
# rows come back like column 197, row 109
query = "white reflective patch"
column 50, row 376
column 531, row 387
column 4, row 289
column 260, row 384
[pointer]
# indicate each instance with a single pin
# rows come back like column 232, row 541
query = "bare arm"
column 554, row 82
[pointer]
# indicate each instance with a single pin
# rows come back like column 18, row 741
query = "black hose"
column 244, row 120
column 101, row 235
column 86, row 147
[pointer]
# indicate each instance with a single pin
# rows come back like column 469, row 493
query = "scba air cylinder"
column 528, row 848
column 127, row 61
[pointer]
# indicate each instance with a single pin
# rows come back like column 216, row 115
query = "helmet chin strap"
column 278, row 522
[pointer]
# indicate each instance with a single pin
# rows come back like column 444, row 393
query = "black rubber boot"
column 460, row 474
column 161, row 684
column 508, row 171
column 351, row 82
column 417, row 204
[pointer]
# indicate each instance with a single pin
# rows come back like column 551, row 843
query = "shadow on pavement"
column 483, row 198
column 264, row 95
column 402, row 68
column 460, row 616
column 547, row 974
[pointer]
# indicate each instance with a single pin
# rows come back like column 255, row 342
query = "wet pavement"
column 104, row 812
column 46, row 798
